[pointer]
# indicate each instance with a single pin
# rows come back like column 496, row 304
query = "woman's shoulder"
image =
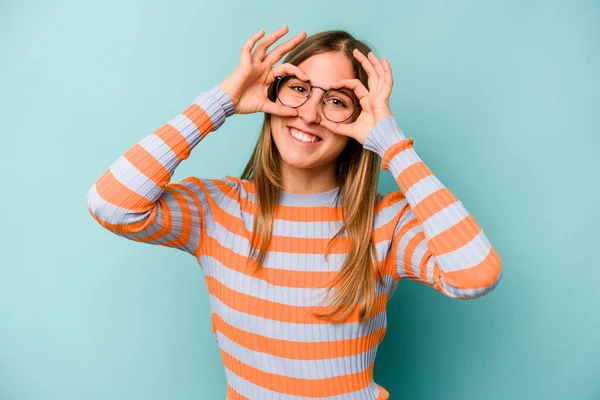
column 227, row 186
column 385, row 201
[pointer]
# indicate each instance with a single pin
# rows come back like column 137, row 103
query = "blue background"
column 501, row 97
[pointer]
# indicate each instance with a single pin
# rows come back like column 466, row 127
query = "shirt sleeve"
column 436, row 241
column 135, row 198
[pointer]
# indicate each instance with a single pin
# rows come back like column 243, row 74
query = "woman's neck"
column 309, row 180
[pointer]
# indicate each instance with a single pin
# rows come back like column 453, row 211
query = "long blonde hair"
column 357, row 173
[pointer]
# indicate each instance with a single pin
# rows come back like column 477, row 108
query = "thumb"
column 279, row 109
column 337, row 128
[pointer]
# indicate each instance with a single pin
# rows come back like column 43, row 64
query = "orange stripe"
column 167, row 222
column 280, row 243
column 140, row 226
column 198, row 204
column 298, row 350
column 277, row 311
column 129, row 228
column 434, row 203
column 114, row 192
column 186, row 220
column 275, row 276
column 478, row 276
column 437, row 274
column 383, row 394
column 300, row 387
column 454, row 237
column 175, row 140
column 145, row 162
column 290, row 213
column 384, row 232
column 394, row 150
column 200, row 118
column 235, row 224
column 408, row 254
column 388, row 200
column 233, row 395
column 393, row 264
column 309, row 214
column 412, row 174
column 288, row 244
column 423, row 268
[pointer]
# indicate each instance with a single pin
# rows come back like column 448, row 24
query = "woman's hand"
column 374, row 102
column 247, row 86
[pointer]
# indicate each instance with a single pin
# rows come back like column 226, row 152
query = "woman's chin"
column 299, row 164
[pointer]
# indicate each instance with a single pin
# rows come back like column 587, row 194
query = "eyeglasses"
column 338, row 105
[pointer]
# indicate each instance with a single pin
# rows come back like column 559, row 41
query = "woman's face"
column 323, row 70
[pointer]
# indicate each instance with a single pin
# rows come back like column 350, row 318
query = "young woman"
column 300, row 254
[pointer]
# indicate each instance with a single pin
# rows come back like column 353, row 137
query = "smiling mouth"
column 303, row 137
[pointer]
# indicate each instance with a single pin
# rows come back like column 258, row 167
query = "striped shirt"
column 271, row 344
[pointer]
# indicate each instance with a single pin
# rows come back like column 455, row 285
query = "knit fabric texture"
column 272, row 346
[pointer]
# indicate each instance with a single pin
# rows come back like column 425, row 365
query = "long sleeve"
column 436, row 241
column 134, row 197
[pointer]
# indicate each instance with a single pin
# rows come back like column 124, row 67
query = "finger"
column 288, row 69
column 366, row 64
column 378, row 67
column 264, row 44
column 277, row 53
column 390, row 75
column 340, row 129
column 279, row 109
column 388, row 80
column 246, row 56
column 354, row 84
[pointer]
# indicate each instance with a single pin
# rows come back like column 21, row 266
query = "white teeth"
column 303, row 137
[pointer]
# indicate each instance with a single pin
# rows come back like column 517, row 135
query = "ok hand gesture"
column 247, row 86
column 374, row 101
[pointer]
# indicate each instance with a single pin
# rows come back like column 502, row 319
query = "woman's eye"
column 298, row 88
column 338, row 103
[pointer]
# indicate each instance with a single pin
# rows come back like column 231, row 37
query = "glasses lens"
column 339, row 105
column 292, row 92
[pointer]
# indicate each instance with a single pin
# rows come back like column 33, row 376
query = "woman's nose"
column 310, row 111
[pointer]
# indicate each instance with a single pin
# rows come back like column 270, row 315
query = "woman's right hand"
column 248, row 84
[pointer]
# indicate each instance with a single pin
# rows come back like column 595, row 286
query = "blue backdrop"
column 501, row 97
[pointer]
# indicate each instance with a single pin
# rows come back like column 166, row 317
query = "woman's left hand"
column 374, row 102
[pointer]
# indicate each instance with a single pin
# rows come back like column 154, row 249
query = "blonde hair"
column 357, row 173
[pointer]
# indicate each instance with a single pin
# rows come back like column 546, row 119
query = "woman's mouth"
column 303, row 138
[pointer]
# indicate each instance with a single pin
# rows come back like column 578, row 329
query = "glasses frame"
column 280, row 78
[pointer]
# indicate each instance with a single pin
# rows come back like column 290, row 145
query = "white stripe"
column 422, row 189
column 187, row 129
column 252, row 391
column 295, row 332
column 109, row 212
column 259, row 288
column 467, row 256
column 401, row 268
column 389, row 213
column 445, row 219
column 471, row 293
column 161, row 152
column 403, row 160
column 417, row 256
column 296, row 368
column 129, row 176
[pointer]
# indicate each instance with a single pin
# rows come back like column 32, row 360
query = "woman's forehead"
column 325, row 68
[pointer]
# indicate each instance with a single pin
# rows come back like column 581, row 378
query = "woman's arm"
column 436, row 241
column 134, row 197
